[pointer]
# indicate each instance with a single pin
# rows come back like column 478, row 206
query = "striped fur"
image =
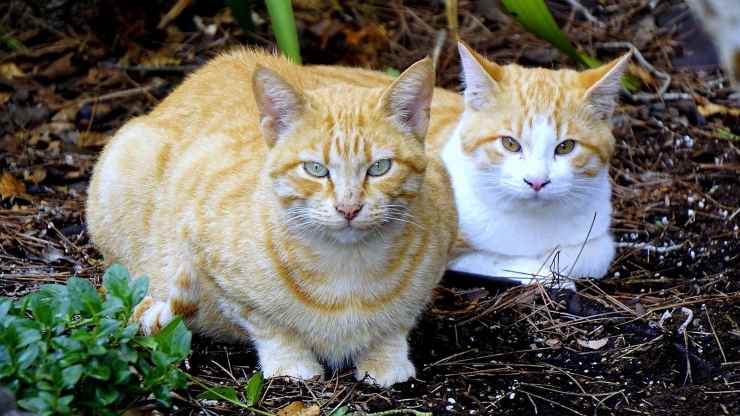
column 207, row 196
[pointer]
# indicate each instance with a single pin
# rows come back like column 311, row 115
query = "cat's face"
column 348, row 163
column 537, row 136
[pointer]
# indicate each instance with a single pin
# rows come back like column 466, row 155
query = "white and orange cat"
column 529, row 159
column 293, row 206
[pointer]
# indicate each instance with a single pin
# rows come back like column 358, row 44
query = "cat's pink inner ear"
column 409, row 98
column 480, row 77
column 280, row 105
column 603, row 84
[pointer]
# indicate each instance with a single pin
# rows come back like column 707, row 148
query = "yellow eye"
column 565, row 147
column 380, row 167
column 510, row 144
column 315, row 169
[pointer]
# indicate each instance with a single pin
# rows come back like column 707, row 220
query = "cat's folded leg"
column 589, row 260
column 387, row 362
column 281, row 354
column 522, row 269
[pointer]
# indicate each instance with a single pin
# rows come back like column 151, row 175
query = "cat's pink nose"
column 537, row 184
column 348, row 211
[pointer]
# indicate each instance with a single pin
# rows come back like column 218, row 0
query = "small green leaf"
column 113, row 305
column 28, row 356
column 219, row 393
column 121, row 371
column 108, row 327
column 63, row 404
column 5, row 305
column 83, row 296
column 71, row 375
column 254, row 388
column 35, row 404
column 726, row 134
column 28, row 336
column 146, row 342
column 41, row 309
column 127, row 353
column 97, row 369
column 174, row 339
column 105, row 395
column 96, row 350
column 115, row 281
column 392, row 72
column 138, row 290
column 342, row 411
column 130, row 331
column 66, row 343
column 58, row 298
column 161, row 359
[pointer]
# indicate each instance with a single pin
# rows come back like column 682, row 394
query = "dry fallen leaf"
column 299, row 409
column 10, row 187
column 92, row 139
column 553, row 342
column 4, row 97
column 710, row 109
column 595, row 344
column 60, row 68
column 36, row 175
column 10, row 71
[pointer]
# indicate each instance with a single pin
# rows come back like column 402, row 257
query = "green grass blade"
column 536, row 18
column 283, row 25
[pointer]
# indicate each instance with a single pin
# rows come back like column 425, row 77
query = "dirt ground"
column 659, row 336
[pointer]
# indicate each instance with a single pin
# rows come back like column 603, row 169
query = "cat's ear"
column 280, row 104
column 408, row 99
column 480, row 77
column 602, row 85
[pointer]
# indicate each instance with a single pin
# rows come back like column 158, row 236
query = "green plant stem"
column 283, row 25
column 232, row 401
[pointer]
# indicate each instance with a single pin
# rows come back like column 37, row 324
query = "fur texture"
column 215, row 196
column 529, row 158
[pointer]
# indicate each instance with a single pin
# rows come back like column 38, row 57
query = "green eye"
column 379, row 167
column 315, row 169
column 565, row 147
column 510, row 144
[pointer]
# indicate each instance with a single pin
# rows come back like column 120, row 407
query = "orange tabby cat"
column 290, row 205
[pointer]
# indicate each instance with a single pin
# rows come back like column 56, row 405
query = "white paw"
column 388, row 374
column 301, row 369
column 156, row 317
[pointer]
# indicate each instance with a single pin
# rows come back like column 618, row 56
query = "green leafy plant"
column 67, row 349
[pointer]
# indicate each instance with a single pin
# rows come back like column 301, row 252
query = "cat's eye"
column 565, row 147
column 511, row 144
column 379, row 167
column 315, row 169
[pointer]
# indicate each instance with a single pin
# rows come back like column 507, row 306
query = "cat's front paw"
column 301, row 369
column 386, row 374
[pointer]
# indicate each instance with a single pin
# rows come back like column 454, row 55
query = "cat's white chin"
column 349, row 234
